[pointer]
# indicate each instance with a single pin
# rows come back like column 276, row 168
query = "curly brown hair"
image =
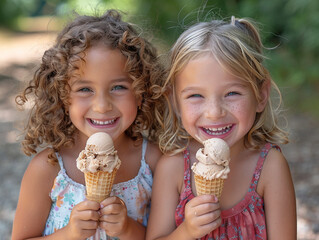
column 49, row 123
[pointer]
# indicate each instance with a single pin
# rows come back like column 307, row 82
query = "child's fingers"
column 199, row 200
column 113, row 209
column 207, row 217
column 205, row 199
column 110, row 218
column 111, row 200
column 88, row 205
column 86, row 210
column 89, row 225
column 113, row 206
column 90, row 215
column 202, row 204
column 206, row 208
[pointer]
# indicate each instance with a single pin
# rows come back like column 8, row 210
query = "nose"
column 102, row 103
column 214, row 109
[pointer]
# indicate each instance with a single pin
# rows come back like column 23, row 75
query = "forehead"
column 99, row 58
column 203, row 66
column 206, row 70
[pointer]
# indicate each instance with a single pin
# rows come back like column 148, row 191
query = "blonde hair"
column 237, row 47
column 49, row 123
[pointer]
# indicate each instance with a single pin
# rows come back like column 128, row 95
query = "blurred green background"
column 291, row 26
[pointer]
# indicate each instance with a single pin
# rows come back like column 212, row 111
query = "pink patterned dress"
column 246, row 220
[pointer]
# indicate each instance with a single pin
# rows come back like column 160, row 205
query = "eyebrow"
column 116, row 80
column 188, row 89
column 195, row 88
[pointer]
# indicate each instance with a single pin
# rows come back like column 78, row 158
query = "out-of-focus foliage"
column 290, row 29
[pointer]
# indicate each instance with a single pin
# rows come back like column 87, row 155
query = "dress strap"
column 187, row 175
column 144, row 146
column 263, row 154
column 59, row 160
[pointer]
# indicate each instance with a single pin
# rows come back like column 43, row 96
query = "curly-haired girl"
column 218, row 87
column 96, row 78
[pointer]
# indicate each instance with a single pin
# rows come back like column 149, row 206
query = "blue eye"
column 194, row 96
column 232, row 93
column 118, row 87
column 85, row 89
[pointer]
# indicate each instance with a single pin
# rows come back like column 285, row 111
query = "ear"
column 264, row 95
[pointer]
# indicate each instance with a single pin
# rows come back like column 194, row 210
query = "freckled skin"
column 210, row 97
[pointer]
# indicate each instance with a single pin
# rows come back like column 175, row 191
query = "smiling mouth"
column 102, row 123
column 218, row 131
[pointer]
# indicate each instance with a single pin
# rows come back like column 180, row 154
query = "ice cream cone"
column 99, row 185
column 99, row 162
column 211, row 187
column 212, row 167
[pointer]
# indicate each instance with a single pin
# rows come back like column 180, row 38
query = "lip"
column 220, row 131
column 103, row 123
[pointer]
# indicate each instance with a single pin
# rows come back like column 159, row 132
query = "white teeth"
column 96, row 122
column 218, row 131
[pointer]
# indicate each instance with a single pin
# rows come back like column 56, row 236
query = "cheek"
column 189, row 113
column 130, row 106
column 245, row 111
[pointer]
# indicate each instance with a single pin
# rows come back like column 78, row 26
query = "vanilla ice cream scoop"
column 100, row 143
column 213, row 159
column 99, row 154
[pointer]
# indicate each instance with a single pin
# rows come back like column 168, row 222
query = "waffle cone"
column 212, row 187
column 99, row 185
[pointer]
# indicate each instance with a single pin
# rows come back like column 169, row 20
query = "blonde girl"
column 218, row 87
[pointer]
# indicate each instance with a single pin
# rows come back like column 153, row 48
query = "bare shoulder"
column 34, row 199
column 40, row 174
column 171, row 162
column 39, row 166
column 171, row 168
column 275, row 172
column 152, row 155
column 275, row 162
column 279, row 197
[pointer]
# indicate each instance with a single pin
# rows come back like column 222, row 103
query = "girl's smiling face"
column 214, row 103
column 102, row 97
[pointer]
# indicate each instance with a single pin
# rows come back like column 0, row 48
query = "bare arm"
column 34, row 206
column 114, row 219
column 34, row 202
column 152, row 155
column 279, row 197
column 165, row 197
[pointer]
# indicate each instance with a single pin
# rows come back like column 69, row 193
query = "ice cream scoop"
column 213, row 159
column 99, row 154
column 212, row 167
column 99, row 162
